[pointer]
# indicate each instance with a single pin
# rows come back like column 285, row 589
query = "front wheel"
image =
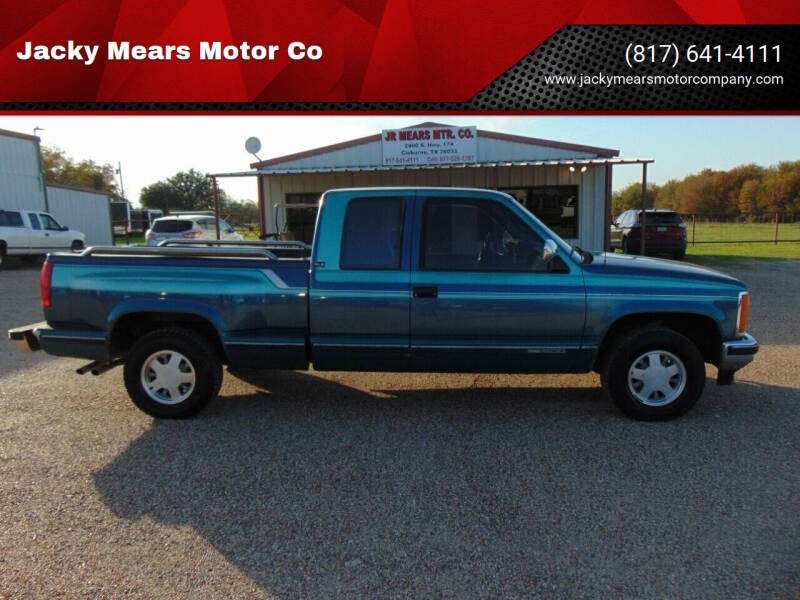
column 76, row 246
column 654, row 374
column 172, row 373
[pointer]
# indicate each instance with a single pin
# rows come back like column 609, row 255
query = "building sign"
column 429, row 145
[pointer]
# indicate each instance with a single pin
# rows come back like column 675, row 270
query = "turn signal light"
column 744, row 311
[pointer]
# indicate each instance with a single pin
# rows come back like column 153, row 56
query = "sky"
column 152, row 148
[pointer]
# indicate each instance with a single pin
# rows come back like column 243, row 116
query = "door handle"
column 426, row 291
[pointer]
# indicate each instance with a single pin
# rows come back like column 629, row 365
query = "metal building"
column 22, row 188
column 21, row 183
column 85, row 210
column 566, row 185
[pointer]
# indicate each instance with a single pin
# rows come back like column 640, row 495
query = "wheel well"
column 131, row 327
column 2, row 246
column 702, row 330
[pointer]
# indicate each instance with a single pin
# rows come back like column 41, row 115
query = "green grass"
column 709, row 231
column 134, row 240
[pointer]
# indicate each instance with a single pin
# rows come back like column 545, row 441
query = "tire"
column 676, row 383
column 2, row 256
column 624, row 246
column 192, row 369
column 76, row 246
column 679, row 254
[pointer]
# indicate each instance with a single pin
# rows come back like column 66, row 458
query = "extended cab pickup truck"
column 397, row 279
column 32, row 234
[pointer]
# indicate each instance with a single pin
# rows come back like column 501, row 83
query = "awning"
column 513, row 163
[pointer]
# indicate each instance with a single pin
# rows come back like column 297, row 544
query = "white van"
column 30, row 234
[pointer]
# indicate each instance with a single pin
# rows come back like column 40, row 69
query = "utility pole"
column 121, row 186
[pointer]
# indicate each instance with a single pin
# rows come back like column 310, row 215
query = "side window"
column 224, row 227
column 373, row 233
column 34, row 221
column 49, row 222
column 477, row 235
column 206, row 224
column 10, row 219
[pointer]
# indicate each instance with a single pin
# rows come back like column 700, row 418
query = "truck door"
column 360, row 284
column 55, row 236
column 482, row 298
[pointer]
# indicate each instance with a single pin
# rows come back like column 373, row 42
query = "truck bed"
column 253, row 298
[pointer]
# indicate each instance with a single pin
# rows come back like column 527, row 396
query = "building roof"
column 482, row 133
column 16, row 134
column 76, row 188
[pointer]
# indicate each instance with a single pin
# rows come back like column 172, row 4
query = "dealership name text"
column 210, row 51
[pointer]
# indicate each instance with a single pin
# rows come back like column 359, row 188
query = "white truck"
column 30, row 234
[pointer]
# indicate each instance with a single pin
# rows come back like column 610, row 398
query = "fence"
column 725, row 229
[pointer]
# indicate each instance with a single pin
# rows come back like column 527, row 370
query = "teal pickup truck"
column 397, row 279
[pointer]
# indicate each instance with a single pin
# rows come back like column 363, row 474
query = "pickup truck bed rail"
column 260, row 253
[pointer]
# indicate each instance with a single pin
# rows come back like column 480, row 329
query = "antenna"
column 253, row 145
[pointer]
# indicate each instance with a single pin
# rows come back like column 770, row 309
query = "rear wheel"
column 654, row 373
column 2, row 255
column 172, row 373
column 679, row 254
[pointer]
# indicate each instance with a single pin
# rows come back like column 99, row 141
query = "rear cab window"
column 373, row 233
column 10, row 219
column 34, row 221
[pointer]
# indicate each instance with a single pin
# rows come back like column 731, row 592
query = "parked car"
column 189, row 227
column 31, row 234
column 666, row 233
column 397, row 279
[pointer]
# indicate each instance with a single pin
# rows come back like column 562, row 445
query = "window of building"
column 555, row 205
column 476, row 235
column 300, row 219
column 373, row 233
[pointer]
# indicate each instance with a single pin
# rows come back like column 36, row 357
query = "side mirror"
column 549, row 250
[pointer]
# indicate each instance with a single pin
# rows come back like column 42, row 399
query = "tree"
column 748, row 197
column 631, row 197
column 186, row 190
column 57, row 167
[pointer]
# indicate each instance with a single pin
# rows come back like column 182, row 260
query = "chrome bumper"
column 26, row 338
column 737, row 353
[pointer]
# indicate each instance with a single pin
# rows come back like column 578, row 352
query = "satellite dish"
column 252, row 145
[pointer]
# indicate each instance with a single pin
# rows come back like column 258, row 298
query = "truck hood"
column 608, row 263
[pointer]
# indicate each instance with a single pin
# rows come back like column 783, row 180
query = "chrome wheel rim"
column 168, row 377
column 657, row 378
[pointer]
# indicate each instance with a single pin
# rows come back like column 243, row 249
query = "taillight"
column 148, row 235
column 192, row 234
column 45, row 280
column 744, row 311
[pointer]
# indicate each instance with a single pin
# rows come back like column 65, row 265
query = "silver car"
column 188, row 227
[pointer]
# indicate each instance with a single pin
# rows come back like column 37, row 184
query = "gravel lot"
column 306, row 485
